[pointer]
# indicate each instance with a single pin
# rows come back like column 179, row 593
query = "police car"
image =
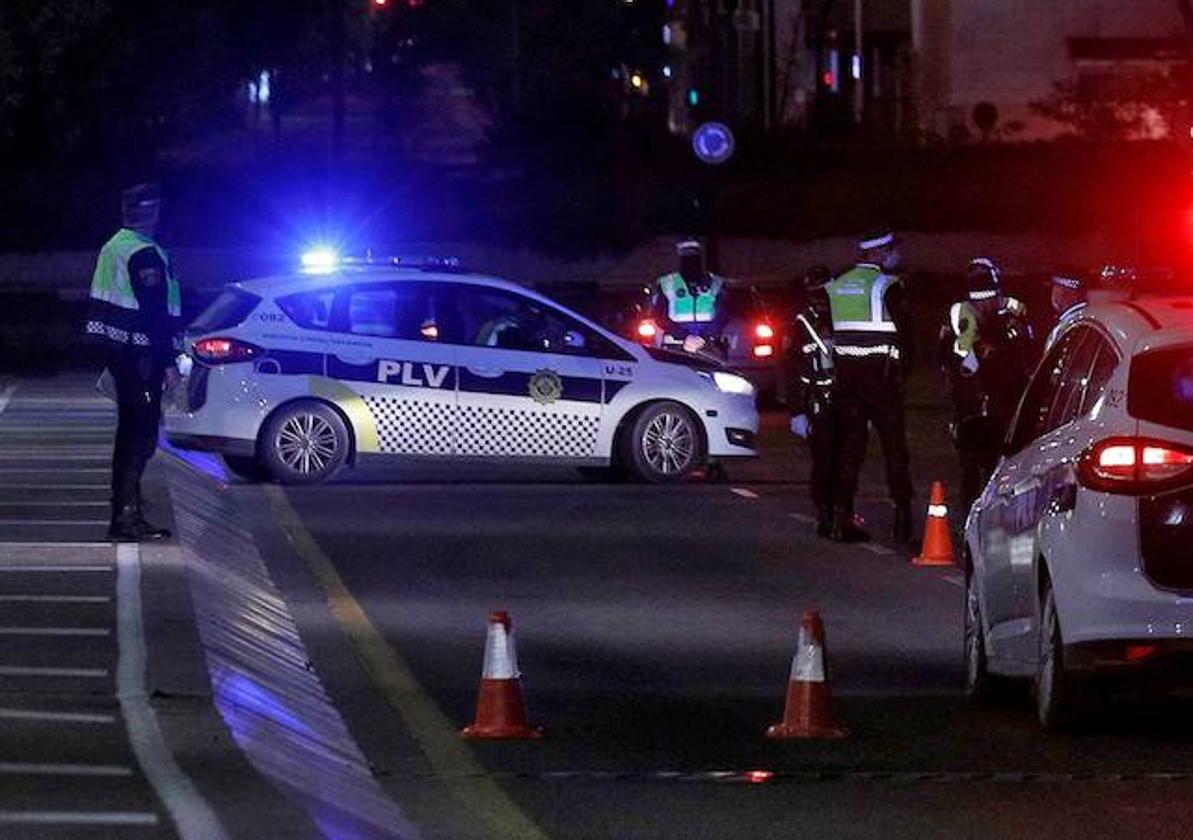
column 297, row 375
column 1078, row 558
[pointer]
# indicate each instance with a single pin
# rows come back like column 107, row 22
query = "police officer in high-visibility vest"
column 811, row 391
column 984, row 354
column 688, row 301
column 135, row 315
column 871, row 356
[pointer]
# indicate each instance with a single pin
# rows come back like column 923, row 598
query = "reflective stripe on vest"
column 856, row 298
column 825, row 348
column 111, row 282
column 682, row 306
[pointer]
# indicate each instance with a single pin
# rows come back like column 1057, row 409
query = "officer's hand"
column 799, row 425
column 693, row 344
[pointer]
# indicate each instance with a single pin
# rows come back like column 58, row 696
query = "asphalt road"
column 655, row 629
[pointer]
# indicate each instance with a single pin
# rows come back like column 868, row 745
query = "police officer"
column 984, row 353
column 690, row 299
column 811, row 391
column 871, row 355
column 135, row 314
column 1068, row 296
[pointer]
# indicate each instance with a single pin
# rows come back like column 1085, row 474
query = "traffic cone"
column 808, row 713
column 938, row 542
column 500, row 708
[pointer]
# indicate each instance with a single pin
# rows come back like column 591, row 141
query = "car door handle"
column 486, row 372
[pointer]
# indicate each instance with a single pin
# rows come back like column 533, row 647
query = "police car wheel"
column 245, row 467
column 664, row 443
column 304, row 443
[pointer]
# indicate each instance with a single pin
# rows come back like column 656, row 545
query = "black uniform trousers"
column 870, row 392
column 823, row 443
column 139, row 411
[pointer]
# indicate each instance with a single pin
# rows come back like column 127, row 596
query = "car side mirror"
column 573, row 340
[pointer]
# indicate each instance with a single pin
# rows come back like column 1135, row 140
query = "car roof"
column 300, row 281
column 1130, row 320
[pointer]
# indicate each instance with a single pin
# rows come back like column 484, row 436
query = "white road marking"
column 54, row 599
column 55, row 631
column 78, row 818
column 22, row 671
column 192, row 815
column 61, row 456
column 744, row 493
column 803, row 517
column 956, row 581
column 875, row 548
column 50, row 503
column 17, row 768
column 6, row 396
column 21, row 568
column 55, row 717
column 79, row 522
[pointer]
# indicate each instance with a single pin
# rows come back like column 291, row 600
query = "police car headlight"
column 731, row 383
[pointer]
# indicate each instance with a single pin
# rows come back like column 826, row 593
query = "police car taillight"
column 764, row 332
column 222, row 351
column 1134, row 465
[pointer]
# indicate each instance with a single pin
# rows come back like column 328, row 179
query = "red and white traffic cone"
column 500, row 707
column 808, row 713
column 937, row 549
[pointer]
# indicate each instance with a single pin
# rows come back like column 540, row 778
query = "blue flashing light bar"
column 320, row 260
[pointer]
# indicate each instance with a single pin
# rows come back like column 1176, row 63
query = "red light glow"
column 757, row 777
column 1136, row 653
column 647, row 329
column 764, row 351
column 764, row 331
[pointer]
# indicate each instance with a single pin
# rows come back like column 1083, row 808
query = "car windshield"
column 1161, row 389
column 226, row 311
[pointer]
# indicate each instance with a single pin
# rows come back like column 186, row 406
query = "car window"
column 226, row 311
column 1099, row 379
column 405, row 310
column 486, row 317
column 1071, row 384
column 311, row 310
column 1161, row 387
column 1037, row 399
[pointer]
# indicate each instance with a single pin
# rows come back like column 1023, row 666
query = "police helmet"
column 983, row 278
column 689, row 248
column 877, row 239
column 140, row 205
column 1071, row 279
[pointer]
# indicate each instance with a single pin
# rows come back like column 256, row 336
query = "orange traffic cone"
column 938, row 543
column 500, row 708
column 809, row 702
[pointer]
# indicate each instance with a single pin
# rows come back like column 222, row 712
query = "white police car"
column 1079, row 553
column 297, row 375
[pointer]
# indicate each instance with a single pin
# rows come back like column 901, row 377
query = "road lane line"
column 78, row 818
column 19, row 768
column 81, row 523
column 55, row 631
column 875, row 548
column 56, row 717
column 6, row 396
column 37, row 671
column 61, row 456
column 803, row 517
column 54, row 599
column 744, row 492
column 4, row 567
column 956, row 581
column 192, row 815
column 436, row 736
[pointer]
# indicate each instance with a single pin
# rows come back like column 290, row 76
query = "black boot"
column 901, row 528
column 845, row 528
column 129, row 526
column 824, row 521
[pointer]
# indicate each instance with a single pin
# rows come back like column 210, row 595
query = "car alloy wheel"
column 305, row 443
column 664, row 443
column 977, row 675
column 1056, row 696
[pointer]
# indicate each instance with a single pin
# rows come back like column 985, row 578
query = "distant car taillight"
column 1134, row 465
column 764, row 336
column 222, row 351
column 647, row 330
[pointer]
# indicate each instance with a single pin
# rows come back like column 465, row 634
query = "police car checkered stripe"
column 411, row 426
column 528, row 433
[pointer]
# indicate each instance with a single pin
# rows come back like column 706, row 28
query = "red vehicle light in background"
column 1134, row 465
column 222, row 351
column 647, row 329
column 764, row 331
column 1137, row 653
column 763, row 351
